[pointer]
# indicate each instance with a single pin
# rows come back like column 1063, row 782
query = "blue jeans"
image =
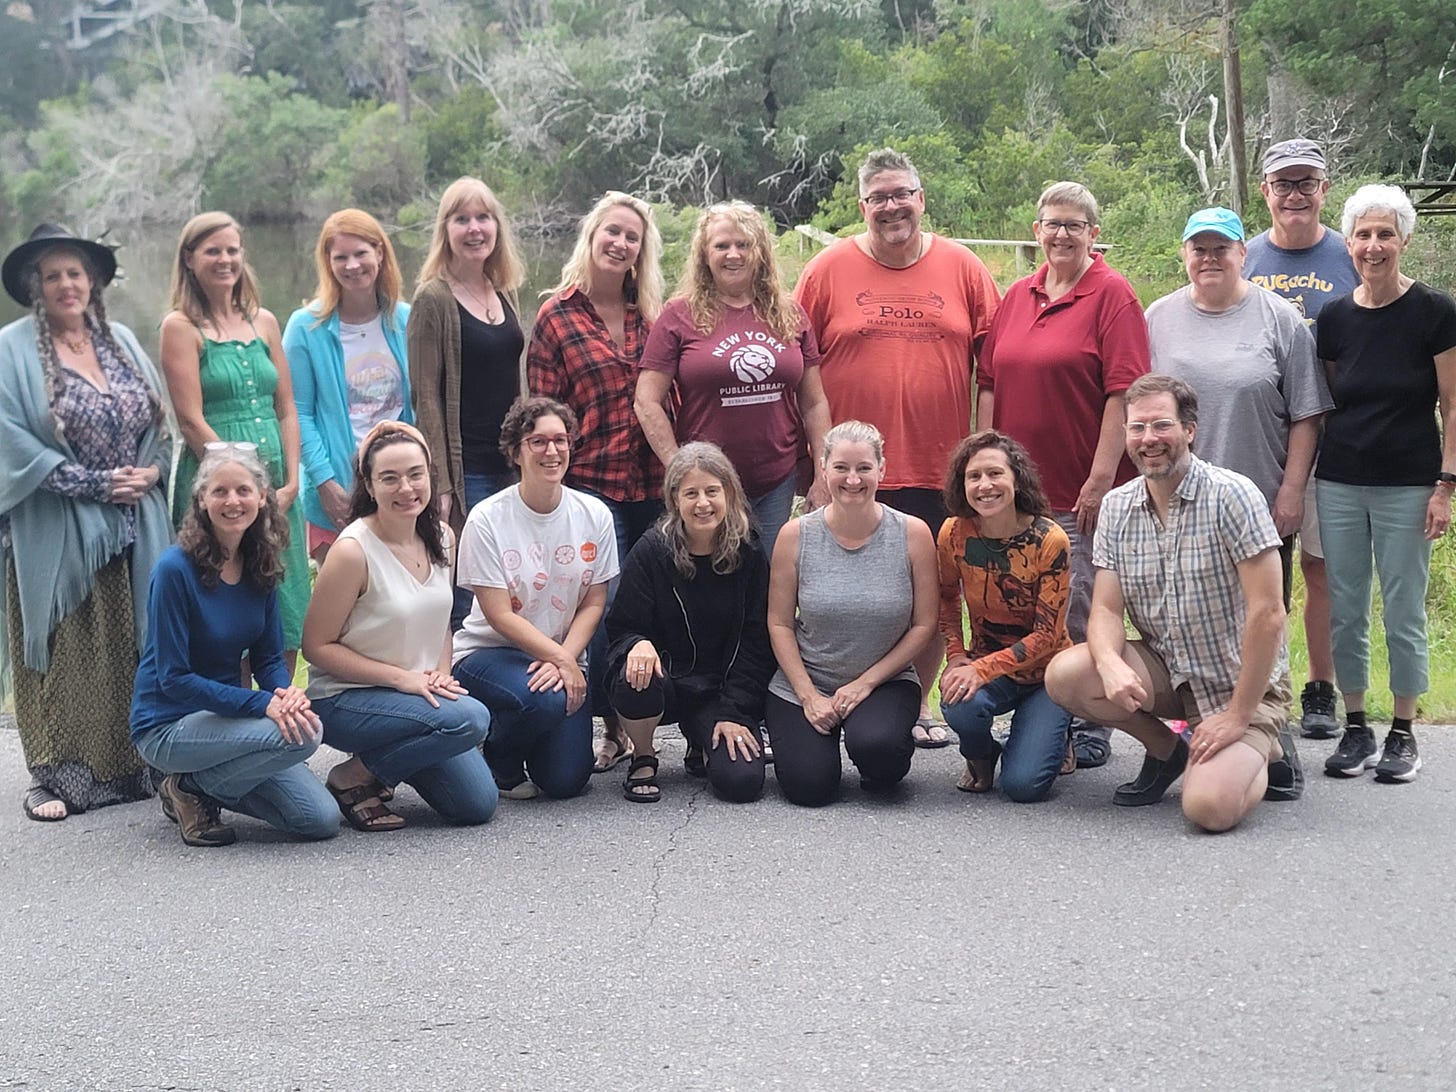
column 772, row 510
column 477, row 488
column 246, row 765
column 1038, row 739
column 630, row 520
column 1387, row 522
column 402, row 737
column 529, row 731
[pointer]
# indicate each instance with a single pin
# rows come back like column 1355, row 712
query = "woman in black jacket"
column 688, row 631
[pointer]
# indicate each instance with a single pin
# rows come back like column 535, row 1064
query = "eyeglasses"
column 895, row 197
column 539, row 444
column 216, row 446
column 1074, row 228
column 391, row 480
column 1138, row 429
column 1283, row 187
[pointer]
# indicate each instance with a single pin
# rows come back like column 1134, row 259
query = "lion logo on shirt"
column 752, row 363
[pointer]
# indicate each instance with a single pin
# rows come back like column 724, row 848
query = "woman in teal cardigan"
column 350, row 371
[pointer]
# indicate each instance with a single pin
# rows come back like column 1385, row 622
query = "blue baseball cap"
column 1219, row 220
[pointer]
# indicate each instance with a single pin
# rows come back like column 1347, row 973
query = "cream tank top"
column 397, row 620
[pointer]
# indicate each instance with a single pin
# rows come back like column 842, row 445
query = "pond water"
column 282, row 257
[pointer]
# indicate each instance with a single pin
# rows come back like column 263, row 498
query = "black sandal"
column 37, row 796
column 631, row 786
column 695, row 761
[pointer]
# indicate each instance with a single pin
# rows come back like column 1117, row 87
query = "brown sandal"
column 361, row 815
column 979, row 775
column 1069, row 760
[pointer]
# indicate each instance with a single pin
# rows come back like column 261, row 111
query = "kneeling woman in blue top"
column 214, row 601
column 538, row 557
column 377, row 639
column 689, row 632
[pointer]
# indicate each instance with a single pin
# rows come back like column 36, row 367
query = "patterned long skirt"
column 73, row 719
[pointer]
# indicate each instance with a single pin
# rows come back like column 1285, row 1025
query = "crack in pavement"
column 659, row 862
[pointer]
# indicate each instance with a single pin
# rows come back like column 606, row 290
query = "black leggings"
column 737, row 780
column 876, row 735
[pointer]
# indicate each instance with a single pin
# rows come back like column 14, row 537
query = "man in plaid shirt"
column 1190, row 552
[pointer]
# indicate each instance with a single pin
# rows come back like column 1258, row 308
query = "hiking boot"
column 1155, row 778
column 1399, row 760
column 1318, row 703
column 1286, row 775
column 198, row 818
column 1354, row 755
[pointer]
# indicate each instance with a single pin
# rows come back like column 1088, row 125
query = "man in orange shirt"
column 900, row 314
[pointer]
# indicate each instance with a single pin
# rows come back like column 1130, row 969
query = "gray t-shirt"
column 1255, row 372
column 1307, row 278
column 854, row 605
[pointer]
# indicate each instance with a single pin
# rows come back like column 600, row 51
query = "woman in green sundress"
column 222, row 355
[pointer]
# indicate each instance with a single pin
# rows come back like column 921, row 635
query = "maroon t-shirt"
column 1052, row 365
column 739, row 387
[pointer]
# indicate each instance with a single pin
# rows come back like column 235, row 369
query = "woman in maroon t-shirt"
column 745, row 363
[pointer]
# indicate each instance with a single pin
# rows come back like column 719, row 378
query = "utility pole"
column 1233, row 95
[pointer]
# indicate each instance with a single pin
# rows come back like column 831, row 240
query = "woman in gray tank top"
column 852, row 601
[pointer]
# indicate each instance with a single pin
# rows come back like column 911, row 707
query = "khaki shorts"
column 1309, row 536
column 1176, row 703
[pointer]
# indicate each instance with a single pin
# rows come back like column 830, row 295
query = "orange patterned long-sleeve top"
column 1015, row 596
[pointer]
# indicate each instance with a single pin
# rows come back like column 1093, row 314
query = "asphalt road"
column 935, row 940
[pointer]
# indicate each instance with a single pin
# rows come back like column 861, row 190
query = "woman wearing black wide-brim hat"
column 84, row 457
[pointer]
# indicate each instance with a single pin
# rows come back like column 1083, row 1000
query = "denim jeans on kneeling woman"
column 245, row 764
column 402, row 737
column 530, row 731
column 1038, row 740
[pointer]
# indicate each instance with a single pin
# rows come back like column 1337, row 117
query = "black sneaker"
column 1286, row 775
column 1318, row 703
column 1155, row 778
column 1399, row 760
column 1354, row 755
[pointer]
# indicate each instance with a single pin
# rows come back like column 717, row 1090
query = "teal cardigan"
column 316, row 360
column 59, row 543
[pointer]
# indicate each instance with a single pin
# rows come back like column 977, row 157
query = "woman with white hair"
column 1386, row 471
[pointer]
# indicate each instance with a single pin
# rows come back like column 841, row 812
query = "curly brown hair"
column 1029, row 498
column 521, row 418
column 263, row 542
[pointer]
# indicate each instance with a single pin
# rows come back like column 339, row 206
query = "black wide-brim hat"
column 19, row 260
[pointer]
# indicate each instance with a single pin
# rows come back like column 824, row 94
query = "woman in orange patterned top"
column 1005, row 560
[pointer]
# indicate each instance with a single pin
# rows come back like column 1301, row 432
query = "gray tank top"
column 854, row 605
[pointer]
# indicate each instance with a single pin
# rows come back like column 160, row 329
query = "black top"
column 1383, row 428
column 710, row 630
column 490, row 380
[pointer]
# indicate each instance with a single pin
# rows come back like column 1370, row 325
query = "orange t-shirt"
column 897, row 348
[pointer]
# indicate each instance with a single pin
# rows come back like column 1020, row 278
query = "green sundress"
column 238, row 381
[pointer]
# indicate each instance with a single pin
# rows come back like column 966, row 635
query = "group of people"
column 505, row 552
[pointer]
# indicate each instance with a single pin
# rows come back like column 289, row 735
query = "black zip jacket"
column 649, row 606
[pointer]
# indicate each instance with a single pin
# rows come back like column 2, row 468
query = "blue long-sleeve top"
column 316, row 360
column 196, row 638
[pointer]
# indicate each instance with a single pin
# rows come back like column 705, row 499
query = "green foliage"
column 377, row 163
column 268, row 152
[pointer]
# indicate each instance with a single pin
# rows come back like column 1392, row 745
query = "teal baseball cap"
column 1219, row 220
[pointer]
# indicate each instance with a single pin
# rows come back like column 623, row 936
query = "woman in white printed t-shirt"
column 538, row 557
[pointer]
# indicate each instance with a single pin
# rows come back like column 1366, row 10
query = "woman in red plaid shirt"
column 585, row 350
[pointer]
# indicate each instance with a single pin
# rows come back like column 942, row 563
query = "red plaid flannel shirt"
column 574, row 360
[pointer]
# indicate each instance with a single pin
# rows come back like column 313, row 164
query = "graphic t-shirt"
column 1307, row 278
column 898, row 348
column 547, row 561
column 739, row 387
column 372, row 378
